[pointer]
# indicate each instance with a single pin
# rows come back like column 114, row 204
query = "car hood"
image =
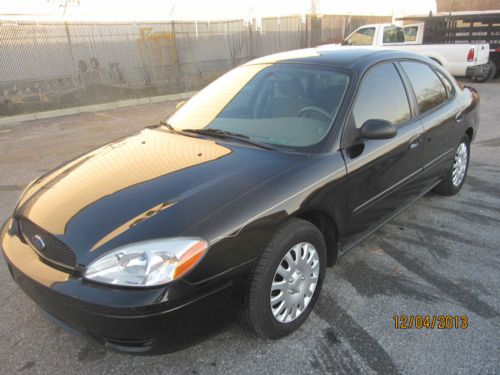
column 151, row 185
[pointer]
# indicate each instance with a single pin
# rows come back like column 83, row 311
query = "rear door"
column 439, row 114
column 383, row 175
column 392, row 34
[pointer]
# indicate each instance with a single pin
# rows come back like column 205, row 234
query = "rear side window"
column 428, row 88
column 381, row 96
column 411, row 33
column 362, row 37
column 446, row 82
column 393, row 34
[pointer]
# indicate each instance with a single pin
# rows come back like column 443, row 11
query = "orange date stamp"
column 431, row 321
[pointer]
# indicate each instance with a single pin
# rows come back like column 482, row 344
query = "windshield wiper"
column 227, row 134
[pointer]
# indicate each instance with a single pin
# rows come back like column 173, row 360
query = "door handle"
column 459, row 117
column 415, row 141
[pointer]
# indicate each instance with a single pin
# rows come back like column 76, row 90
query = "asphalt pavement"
column 439, row 257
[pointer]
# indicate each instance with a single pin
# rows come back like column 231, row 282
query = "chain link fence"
column 46, row 66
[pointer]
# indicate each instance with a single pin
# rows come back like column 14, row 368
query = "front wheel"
column 454, row 179
column 287, row 280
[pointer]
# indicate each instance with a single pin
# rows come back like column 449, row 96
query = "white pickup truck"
column 461, row 60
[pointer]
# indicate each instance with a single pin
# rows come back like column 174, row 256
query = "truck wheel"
column 490, row 73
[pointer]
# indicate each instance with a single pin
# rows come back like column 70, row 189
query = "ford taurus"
column 240, row 199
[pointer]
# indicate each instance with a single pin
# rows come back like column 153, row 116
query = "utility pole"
column 314, row 37
column 63, row 4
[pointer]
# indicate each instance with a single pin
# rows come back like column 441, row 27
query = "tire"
column 488, row 75
column 449, row 186
column 257, row 311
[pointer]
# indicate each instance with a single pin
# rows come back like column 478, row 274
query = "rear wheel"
column 287, row 280
column 488, row 74
column 454, row 179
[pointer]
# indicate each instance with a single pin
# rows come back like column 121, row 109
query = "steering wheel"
column 313, row 108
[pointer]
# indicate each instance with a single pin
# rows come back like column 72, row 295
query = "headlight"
column 147, row 263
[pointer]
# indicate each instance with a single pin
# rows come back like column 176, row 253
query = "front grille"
column 54, row 250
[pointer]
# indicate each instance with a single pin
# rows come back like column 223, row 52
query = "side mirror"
column 377, row 129
column 180, row 104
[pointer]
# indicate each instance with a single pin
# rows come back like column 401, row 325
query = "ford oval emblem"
column 38, row 242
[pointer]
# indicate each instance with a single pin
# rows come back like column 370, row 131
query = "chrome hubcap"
column 294, row 282
column 460, row 164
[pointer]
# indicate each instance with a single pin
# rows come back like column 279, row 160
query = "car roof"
column 351, row 57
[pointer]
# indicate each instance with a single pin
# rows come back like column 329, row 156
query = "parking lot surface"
column 439, row 257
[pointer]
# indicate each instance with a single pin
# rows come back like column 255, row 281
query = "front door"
column 383, row 175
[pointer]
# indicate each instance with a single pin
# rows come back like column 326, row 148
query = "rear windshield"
column 281, row 104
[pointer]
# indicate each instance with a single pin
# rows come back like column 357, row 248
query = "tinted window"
column 362, row 37
column 428, row 88
column 381, row 96
column 393, row 34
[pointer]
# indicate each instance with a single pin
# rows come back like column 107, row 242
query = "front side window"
column 381, row 96
column 428, row 88
column 393, row 34
column 289, row 105
column 361, row 37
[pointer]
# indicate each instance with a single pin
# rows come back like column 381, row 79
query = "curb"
column 11, row 120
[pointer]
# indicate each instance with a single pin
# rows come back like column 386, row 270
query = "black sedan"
column 241, row 199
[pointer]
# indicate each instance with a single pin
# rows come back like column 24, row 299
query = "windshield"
column 280, row 104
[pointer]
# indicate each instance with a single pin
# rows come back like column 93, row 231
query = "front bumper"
column 477, row 70
column 149, row 320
